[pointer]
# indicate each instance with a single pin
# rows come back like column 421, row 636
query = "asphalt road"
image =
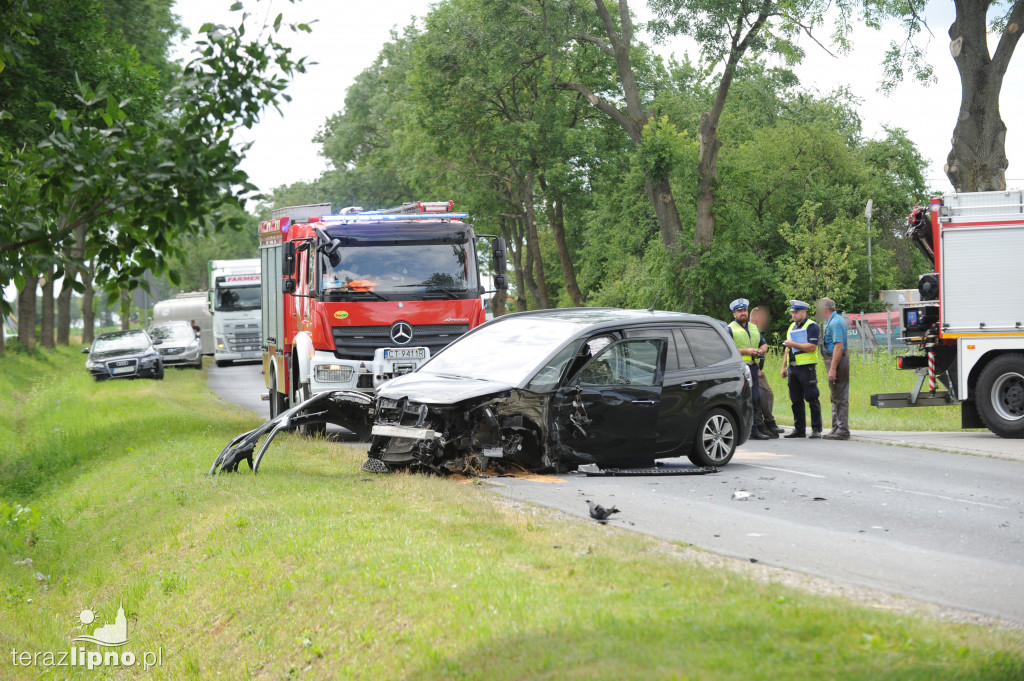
column 936, row 526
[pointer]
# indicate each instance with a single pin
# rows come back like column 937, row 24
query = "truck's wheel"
column 300, row 394
column 715, row 441
column 1000, row 392
column 278, row 401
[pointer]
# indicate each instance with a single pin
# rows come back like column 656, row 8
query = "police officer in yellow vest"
column 751, row 346
column 802, row 368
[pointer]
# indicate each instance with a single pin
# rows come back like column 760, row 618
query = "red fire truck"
column 353, row 299
column 970, row 321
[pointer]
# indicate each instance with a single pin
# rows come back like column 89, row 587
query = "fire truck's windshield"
column 402, row 270
column 237, row 298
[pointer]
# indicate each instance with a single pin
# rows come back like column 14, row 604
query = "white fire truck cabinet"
column 970, row 321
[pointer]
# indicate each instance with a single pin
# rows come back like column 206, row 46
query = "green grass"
column 870, row 373
column 315, row 570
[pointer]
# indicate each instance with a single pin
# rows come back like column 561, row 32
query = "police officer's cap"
column 798, row 305
column 738, row 304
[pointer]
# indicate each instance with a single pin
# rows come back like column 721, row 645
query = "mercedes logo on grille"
column 401, row 333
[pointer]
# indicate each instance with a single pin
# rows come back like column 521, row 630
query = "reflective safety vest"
column 749, row 337
column 796, row 356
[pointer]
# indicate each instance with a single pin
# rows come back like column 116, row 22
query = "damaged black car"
column 553, row 389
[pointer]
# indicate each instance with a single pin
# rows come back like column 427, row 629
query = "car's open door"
column 607, row 413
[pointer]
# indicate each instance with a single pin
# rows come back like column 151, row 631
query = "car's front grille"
column 243, row 337
column 359, row 342
column 171, row 351
column 123, row 367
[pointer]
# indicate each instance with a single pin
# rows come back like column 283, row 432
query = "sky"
column 349, row 34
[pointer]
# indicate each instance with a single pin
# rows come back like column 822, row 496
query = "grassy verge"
column 869, row 374
column 315, row 570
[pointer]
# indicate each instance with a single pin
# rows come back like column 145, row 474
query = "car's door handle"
column 650, row 402
column 689, row 385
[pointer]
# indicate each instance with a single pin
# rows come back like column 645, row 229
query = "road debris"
column 599, row 512
column 741, row 495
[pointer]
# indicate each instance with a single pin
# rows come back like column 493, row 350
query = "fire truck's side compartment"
column 972, row 331
column 982, row 279
column 273, row 316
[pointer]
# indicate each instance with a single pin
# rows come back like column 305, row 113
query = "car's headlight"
column 149, row 360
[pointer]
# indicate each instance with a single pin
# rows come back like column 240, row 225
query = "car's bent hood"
column 435, row 389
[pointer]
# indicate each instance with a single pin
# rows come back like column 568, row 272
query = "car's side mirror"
column 499, row 256
column 289, row 285
column 85, row 351
column 288, row 259
column 158, row 342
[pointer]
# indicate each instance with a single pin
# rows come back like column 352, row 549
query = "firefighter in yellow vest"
column 801, row 366
column 752, row 347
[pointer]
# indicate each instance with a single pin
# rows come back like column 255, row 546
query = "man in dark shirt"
column 761, row 318
column 801, row 368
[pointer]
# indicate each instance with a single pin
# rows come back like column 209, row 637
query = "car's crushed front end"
column 503, row 428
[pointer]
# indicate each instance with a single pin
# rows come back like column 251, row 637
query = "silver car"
column 180, row 344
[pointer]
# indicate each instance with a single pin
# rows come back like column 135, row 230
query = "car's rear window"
column 707, row 345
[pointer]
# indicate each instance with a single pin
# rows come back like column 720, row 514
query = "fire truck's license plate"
column 405, row 353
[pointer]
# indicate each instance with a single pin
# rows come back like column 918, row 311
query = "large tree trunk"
column 660, row 194
column 66, row 290
column 27, row 312
column 64, row 309
column 707, row 174
column 515, row 247
column 634, row 118
column 46, row 317
column 977, row 160
column 557, row 221
column 125, row 310
column 535, row 274
column 89, row 304
column 498, row 303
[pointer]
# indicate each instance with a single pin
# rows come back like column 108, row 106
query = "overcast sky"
column 348, row 35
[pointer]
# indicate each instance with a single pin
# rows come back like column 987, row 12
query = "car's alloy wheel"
column 715, row 441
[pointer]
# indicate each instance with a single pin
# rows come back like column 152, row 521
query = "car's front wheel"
column 159, row 375
column 715, row 441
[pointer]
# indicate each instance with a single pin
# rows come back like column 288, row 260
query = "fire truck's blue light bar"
column 361, row 217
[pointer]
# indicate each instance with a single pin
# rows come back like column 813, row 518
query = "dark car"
column 124, row 354
column 552, row 389
column 180, row 344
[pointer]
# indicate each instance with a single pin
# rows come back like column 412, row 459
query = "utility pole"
column 871, row 279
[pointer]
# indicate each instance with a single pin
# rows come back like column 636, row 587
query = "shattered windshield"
column 237, row 299
column 412, row 268
column 509, row 351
